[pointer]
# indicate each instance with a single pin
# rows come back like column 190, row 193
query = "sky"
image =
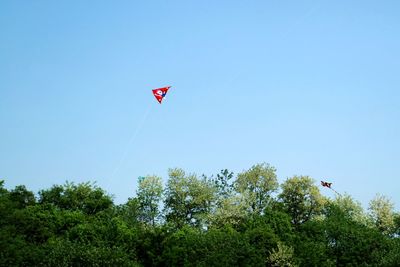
column 311, row 87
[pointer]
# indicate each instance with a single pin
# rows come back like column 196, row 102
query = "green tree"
column 231, row 210
column 382, row 214
column 223, row 182
column 65, row 253
column 392, row 257
column 260, row 236
column 86, row 197
column 188, row 199
column 397, row 224
column 22, row 197
column 216, row 247
column 351, row 243
column 257, row 184
column 130, row 211
column 149, row 196
column 6, row 205
column 282, row 256
column 229, row 207
column 301, row 199
column 311, row 245
column 351, row 208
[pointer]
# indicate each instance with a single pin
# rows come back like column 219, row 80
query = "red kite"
column 329, row 185
column 326, row 184
column 160, row 93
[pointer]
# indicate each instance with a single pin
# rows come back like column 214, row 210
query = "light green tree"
column 229, row 206
column 257, row 184
column 149, row 195
column 282, row 256
column 351, row 208
column 301, row 199
column 230, row 210
column 188, row 199
column 381, row 212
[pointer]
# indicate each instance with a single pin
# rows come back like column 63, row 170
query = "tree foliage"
column 382, row 214
column 224, row 220
column 301, row 199
column 149, row 196
column 257, row 184
column 86, row 197
column 188, row 199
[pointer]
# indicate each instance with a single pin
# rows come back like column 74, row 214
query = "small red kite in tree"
column 160, row 93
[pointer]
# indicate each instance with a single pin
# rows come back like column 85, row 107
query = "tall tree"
column 382, row 214
column 187, row 198
column 229, row 207
column 130, row 211
column 351, row 243
column 301, row 199
column 350, row 208
column 223, row 182
column 86, row 197
column 257, row 184
column 22, row 197
column 229, row 210
column 149, row 195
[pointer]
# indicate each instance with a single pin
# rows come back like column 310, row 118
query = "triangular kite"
column 160, row 93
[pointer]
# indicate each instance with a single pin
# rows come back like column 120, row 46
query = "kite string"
column 130, row 142
column 336, row 192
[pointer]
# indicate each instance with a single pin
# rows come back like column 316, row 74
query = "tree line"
column 227, row 219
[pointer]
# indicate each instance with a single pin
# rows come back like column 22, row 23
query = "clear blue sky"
column 311, row 87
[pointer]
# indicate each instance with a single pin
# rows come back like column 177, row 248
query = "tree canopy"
column 227, row 219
